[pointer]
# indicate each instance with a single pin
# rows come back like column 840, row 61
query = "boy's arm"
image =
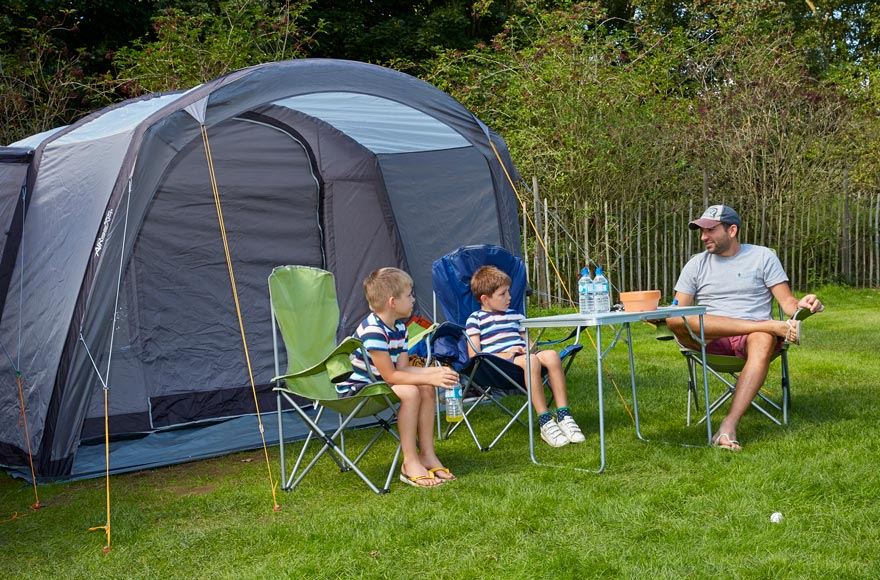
column 473, row 343
column 407, row 375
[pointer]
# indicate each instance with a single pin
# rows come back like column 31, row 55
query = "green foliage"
column 192, row 48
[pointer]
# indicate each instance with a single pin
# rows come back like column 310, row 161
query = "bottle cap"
column 599, row 271
column 585, row 271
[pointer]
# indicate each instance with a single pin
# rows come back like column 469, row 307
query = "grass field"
column 660, row 510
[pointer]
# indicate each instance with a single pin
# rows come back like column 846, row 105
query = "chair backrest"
column 305, row 308
column 452, row 273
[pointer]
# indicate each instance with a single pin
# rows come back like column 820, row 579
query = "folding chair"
column 486, row 377
column 727, row 368
column 304, row 306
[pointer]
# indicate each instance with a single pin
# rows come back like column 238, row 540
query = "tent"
column 113, row 274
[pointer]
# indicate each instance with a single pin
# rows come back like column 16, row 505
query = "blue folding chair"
column 485, row 377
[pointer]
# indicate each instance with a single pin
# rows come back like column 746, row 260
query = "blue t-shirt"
column 498, row 331
column 376, row 336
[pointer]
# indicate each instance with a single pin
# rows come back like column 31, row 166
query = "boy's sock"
column 545, row 418
column 562, row 413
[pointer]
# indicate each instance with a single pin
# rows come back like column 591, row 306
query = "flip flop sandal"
column 434, row 471
column 731, row 445
column 793, row 326
column 413, row 481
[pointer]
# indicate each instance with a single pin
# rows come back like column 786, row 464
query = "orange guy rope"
column 27, row 438
column 106, row 527
column 216, row 191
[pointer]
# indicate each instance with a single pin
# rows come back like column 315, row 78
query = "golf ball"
column 776, row 517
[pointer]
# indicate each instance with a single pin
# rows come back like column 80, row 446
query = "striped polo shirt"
column 376, row 336
column 498, row 331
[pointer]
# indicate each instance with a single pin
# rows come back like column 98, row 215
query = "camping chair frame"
column 725, row 367
column 488, row 394
column 374, row 399
column 500, row 371
column 719, row 366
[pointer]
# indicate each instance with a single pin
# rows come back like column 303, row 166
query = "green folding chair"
column 304, row 308
column 727, row 368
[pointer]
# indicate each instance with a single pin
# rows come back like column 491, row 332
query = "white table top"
column 575, row 319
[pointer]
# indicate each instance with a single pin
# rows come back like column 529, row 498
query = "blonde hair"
column 487, row 280
column 385, row 283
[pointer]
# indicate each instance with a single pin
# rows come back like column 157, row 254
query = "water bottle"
column 454, row 407
column 585, row 293
column 601, row 292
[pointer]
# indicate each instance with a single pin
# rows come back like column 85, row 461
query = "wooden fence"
column 644, row 246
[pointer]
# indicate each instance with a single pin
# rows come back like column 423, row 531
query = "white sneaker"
column 552, row 435
column 571, row 430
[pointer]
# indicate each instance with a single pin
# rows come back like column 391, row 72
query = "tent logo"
column 100, row 243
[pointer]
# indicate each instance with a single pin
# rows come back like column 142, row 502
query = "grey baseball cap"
column 714, row 215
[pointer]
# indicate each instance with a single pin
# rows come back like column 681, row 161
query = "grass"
column 660, row 510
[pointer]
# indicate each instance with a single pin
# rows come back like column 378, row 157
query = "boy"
column 383, row 332
column 496, row 329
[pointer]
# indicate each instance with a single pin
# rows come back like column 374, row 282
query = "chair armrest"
column 421, row 335
column 336, row 363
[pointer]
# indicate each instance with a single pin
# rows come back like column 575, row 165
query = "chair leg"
column 338, row 454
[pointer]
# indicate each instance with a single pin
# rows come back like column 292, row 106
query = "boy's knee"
column 406, row 392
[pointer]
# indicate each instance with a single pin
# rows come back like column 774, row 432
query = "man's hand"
column 811, row 302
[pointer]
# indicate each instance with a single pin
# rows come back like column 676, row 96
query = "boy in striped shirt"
column 496, row 329
column 383, row 332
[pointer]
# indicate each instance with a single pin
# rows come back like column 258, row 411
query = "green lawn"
column 659, row 511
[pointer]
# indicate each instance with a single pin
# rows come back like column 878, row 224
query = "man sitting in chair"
column 737, row 282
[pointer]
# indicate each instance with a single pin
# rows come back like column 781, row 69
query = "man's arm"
column 789, row 302
column 684, row 299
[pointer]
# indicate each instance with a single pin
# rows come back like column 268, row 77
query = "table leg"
column 531, row 405
column 705, row 382
column 599, row 357
column 632, row 382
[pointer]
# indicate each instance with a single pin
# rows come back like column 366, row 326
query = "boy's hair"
column 487, row 280
column 384, row 283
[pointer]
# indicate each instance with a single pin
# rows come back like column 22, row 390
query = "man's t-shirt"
column 498, row 331
column 735, row 286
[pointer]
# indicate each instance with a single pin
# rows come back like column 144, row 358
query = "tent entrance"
column 178, row 357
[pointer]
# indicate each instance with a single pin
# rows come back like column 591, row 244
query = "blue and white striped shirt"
column 498, row 331
column 376, row 335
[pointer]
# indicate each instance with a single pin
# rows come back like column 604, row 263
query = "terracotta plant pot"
column 641, row 301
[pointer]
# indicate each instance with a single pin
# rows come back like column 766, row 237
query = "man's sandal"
column 415, row 479
column 793, row 336
column 435, row 470
column 725, row 441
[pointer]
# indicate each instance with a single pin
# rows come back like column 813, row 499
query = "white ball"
column 776, row 517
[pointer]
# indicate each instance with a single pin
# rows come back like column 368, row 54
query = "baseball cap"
column 714, row 215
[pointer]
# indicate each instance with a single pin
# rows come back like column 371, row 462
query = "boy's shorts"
column 734, row 346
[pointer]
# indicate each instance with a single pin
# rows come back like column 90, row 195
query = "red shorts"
column 734, row 346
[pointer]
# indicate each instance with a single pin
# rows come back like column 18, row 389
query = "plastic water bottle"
column 454, row 406
column 601, row 293
column 585, row 292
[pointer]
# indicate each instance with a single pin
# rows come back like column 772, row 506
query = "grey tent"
column 112, row 268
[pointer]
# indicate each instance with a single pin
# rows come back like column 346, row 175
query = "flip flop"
column 731, row 444
column 435, row 470
column 413, row 480
column 793, row 326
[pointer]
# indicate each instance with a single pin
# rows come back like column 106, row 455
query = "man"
column 737, row 282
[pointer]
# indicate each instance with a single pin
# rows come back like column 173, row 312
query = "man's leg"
column 760, row 347
column 715, row 326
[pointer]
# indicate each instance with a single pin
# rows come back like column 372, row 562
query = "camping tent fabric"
column 333, row 164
